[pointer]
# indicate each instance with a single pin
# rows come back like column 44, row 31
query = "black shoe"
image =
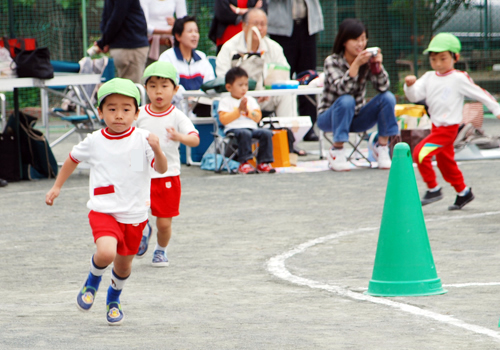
column 3, row 183
column 461, row 201
column 431, row 197
column 311, row 136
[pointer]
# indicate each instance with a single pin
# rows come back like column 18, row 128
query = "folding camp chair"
column 78, row 101
column 355, row 153
column 225, row 144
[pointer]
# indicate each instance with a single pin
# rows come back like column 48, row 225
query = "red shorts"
column 128, row 235
column 165, row 196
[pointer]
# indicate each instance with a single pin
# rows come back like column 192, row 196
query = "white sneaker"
column 337, row 160
column 381, row 154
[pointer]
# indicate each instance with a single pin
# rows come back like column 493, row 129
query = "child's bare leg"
column 123, row 265
column 104, row 255
column 106, row 250
column 164, row 226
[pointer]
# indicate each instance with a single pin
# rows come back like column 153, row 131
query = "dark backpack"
column 37, row 159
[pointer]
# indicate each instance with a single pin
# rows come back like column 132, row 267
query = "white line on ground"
column 276, row 266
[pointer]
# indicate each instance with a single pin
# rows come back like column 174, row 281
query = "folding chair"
column 84, row 117
column 355, row 153
column 225, row 144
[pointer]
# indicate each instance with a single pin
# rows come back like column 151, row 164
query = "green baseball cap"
column 119, row 86
column 161, row 69
column 444, row 42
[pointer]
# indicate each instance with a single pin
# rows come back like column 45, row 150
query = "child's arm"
column 475, row 92
column 161, row 165
column 255, row 115
column 414, row 88
column 190, row 140
column 66, row 170
column 228, row 117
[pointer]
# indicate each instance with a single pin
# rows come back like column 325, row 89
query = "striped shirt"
column 338, row 82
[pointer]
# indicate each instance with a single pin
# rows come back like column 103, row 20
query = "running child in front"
column 240, row 115
column 119, row 157
column 443, row 91
column 173, row 128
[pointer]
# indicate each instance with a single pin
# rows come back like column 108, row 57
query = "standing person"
column 173, row 127
column 240, row 114
column 444, row 90
column 292, row 22
column 343, row 107
column 119, row 156
column 125, row 36
column 228, row 18
column 160, row 19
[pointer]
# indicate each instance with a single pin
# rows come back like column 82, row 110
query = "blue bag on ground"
column 208, row 162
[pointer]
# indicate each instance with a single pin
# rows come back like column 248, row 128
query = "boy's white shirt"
column 444, row 95
column 123, row 162
column 157, row 123
column 229, row 103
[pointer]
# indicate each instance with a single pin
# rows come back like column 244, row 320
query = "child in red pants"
column 444, row 90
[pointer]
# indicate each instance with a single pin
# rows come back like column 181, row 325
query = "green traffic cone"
column 404, row 265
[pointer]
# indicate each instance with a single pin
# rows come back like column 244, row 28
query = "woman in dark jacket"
column 228, row 16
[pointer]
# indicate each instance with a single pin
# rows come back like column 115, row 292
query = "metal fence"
column 401, row 28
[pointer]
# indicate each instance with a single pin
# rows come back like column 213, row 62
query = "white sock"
column 435, row 189
column 464, row 192
column 96, row 271
column 163, row 249
column 117, row 283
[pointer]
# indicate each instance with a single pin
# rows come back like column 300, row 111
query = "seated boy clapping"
column 240, row 115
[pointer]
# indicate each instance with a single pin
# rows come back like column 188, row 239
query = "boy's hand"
column 243, row 105
column 174, row 135
column 410, row 80
column 51, row 195
column 154, row 142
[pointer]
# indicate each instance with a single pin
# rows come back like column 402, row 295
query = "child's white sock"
column 464, row 192
column 435, row 189
column 163, row 249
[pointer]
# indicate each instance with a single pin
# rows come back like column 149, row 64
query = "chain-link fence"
column 401, row 28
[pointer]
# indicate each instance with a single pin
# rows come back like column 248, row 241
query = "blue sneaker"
column 159, row 259
column 85, row 298
column 114, row 314
column 146, row 235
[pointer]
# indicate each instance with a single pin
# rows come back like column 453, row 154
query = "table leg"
column 44, row 102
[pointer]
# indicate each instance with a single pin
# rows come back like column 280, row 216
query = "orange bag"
column 281, row 153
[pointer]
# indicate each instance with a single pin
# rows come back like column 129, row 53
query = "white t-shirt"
column 157, row 11
column 444, row 95
column 229, row 104
column 120, row 180
column 157, row 123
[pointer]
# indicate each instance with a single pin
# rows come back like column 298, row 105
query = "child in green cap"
column 173, row 128
column 444, row 90
column 119, row 157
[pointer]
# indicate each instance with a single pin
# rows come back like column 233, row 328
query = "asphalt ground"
column 257, row 262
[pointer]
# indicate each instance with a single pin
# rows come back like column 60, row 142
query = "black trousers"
column 300, row 52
